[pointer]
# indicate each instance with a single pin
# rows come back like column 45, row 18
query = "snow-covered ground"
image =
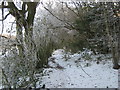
column 79, row 70
column 73, row 71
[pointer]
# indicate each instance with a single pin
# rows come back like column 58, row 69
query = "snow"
column 9, row 24
column 72, row 75
column 78, row 70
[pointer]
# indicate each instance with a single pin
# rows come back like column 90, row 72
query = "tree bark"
column 113, row 44
column 19, row 39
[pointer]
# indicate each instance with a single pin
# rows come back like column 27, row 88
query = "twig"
column 5, row 76
column 84, row 70
column 4, row 17
column 58, row 17
column 71, row 9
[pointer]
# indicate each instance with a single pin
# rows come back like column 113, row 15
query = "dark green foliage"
column 91, row 23
column 78, row 44
column 44, row 52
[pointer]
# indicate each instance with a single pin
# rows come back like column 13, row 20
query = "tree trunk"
column 30, row 45
column 19, row 39
column 115, row 55
column 113, row 41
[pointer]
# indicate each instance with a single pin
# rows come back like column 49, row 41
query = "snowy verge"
column 78, row 72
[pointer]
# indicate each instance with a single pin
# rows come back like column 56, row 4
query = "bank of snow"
column 77, row 72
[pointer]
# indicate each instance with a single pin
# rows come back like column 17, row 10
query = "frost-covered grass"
column 96, row 72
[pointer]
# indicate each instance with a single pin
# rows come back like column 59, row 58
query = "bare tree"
column 24, row 18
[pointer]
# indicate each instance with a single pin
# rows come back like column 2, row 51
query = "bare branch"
column 71, row 9
column 6, row 78
column 31, row 12
column 12, row 5
column 76, row 7
column 4, row 6
column 5, row 17
column 24, row 8
column 67, row 24
column 2, row 17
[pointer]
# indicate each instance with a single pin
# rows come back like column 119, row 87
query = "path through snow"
column 101, row 75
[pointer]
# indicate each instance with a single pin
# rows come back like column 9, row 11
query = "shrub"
column 18, row 72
